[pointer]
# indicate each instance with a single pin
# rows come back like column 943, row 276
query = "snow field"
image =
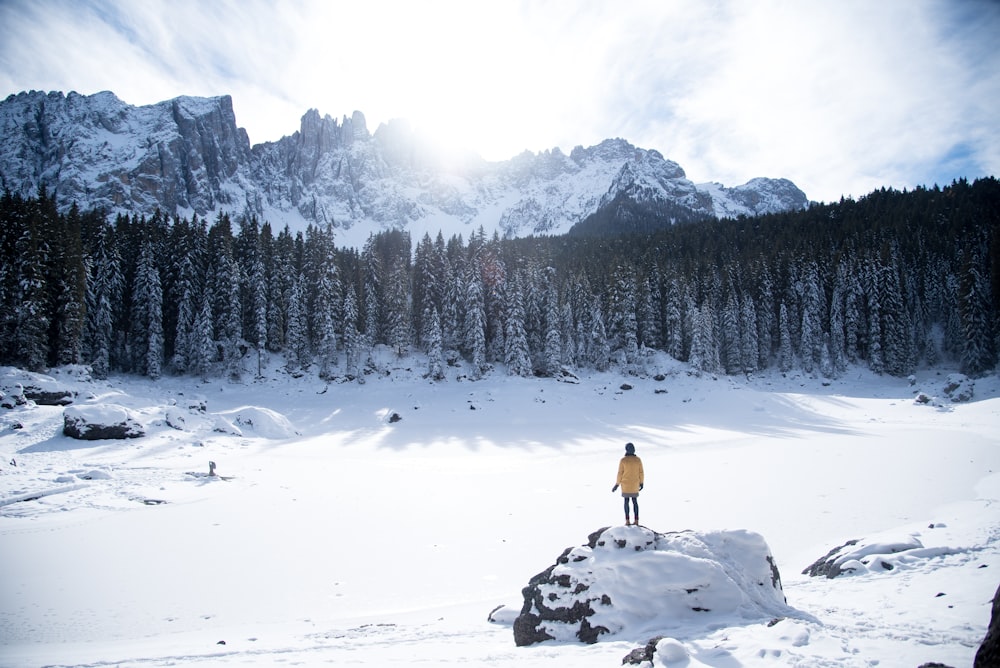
column 341, row 537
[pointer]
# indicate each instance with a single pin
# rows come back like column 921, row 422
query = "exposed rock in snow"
column 23, row 386
column 959, row 388
column 99, row 421
column 873, row 555
column 632, row 577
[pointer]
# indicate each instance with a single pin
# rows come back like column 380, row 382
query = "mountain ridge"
column 187, row 156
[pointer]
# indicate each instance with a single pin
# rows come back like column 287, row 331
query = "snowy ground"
column 336, row 536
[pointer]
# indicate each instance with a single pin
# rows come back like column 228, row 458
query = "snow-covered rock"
column 959, row 388
column 92, row 422
column 876, row 554
column 23, row 386
column 262, row 422
column 634, row 578
column 188, row 156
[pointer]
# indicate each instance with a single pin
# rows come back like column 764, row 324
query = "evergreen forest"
column 892, row 281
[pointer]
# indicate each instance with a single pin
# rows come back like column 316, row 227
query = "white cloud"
column 840, row 97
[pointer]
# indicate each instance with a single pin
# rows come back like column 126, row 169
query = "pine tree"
column 732, row 356
column 70, row 278
column 352, row 337
column 673, row 321
column 552, row 351
column 203, row 348
column 32, row 317
column 147, row 314
column 104, row 289
column 599, row 351
column 435, row 357
column 786, row 356
column 749, row 344
column 978, row 355
column 516, row 355
column 296, row 337
column 475, row 323
column 324, row 315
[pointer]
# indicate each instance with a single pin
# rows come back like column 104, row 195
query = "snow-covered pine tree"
column 296, row 337
column 731, row 337
column 203, row 349
column 897, row 343
column 749, row 344
column 435, row 356
column 673, row 320
column 552, row 351
column 70, row 290
column 187, row 244
column 811, row 330
column 104, row 289
column 978, row 354
column 623, row 334
column 31, row 316
column 786, row 355
column 351, row 336
column 325, row 307
column 147, row 313
column 397, row 307
column 766, row 327
column 475, row 322
column 598, row 350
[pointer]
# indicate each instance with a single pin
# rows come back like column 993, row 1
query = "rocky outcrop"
column 626, row 577
column 988, row 653
column 181, row 155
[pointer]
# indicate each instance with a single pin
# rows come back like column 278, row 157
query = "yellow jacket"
column 630, row 474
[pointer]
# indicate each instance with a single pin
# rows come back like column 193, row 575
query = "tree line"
column 892, row 281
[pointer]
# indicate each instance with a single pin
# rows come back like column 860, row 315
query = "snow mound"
column 635, row 579
column 259, row 421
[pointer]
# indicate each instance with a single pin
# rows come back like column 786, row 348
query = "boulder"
column 959, row 388
column 989, row 651
column 23, row 386
column 633, row 577
column 100, row 421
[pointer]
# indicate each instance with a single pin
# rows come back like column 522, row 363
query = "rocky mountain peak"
column 187, row 155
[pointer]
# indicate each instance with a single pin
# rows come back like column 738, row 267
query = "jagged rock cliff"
column 187, row 155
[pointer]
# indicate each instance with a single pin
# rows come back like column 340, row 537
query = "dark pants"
column 635, row 505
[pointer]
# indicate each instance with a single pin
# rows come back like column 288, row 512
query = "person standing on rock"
column 630, row 479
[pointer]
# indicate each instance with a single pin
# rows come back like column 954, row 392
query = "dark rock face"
column 93, row 423
column 988, row 655
column 99, row 151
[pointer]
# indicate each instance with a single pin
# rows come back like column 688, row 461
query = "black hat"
column 629, row 449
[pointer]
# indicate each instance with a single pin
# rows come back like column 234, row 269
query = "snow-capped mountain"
column 188, row 156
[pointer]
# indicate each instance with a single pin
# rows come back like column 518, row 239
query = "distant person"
column 630, row 479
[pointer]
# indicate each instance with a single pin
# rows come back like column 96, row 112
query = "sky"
column 842, row 97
